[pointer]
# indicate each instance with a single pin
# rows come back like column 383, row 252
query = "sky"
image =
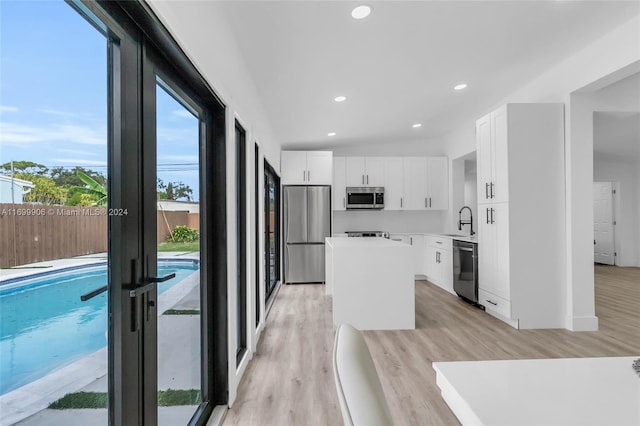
column 53, row 95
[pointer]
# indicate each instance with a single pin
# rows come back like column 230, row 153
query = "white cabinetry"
column 410, row 183
column 415, row 183
column 365, row 171
column 306, row 167
column 339, row 189
column 393, row 183
column 425, row 183
column 520, row 152
column 418, row 253
column 439, row 261
column 438, row 183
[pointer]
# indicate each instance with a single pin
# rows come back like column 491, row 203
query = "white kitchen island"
column 372, row 283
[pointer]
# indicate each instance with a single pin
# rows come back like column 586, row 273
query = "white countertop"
column 369, row 242
column 569, row 391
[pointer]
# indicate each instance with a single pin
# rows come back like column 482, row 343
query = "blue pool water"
column 44, row 325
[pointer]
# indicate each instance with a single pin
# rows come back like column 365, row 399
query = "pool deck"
column 177, row 336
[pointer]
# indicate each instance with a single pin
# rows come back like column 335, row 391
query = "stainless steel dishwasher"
column 465, row 270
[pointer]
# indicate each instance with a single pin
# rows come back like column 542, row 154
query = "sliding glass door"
column 271, row 229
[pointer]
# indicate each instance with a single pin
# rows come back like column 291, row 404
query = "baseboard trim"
column 588, row 323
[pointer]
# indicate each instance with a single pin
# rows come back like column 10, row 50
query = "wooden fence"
column 34, row 233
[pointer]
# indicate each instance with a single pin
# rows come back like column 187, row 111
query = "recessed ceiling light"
column 340, row 98
column 460, row 86
column 361, row 12
column 415, row 126
column 331, row 134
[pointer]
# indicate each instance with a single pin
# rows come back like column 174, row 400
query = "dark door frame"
column 140, row 47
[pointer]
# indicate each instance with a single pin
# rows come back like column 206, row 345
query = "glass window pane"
column 53, row 217
column 178, row 232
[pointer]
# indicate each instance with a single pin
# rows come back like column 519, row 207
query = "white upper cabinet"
column 493, row 157
column 365, row 171
column 410, row 183
column 393, row 183
column 339, row 189
column 355, row 171
column 415, row 183
column 306, row 167
column 437, row 183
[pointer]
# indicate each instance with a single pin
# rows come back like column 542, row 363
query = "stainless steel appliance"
column 307, row 222
column 465, row 270
column 359, row 198
column 379, row 234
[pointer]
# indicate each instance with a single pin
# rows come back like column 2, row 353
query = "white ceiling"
column 398, row 66
column 616, row 135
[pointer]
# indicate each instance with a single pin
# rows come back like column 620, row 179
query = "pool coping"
column 27, row 400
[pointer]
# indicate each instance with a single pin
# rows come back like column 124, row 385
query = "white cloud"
column 76, row 152
column 182, row 113
column 59, row 113
column 5, row 108
column 77, row 162
column 19, row 134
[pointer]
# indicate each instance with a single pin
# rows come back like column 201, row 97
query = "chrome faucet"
column 465, row 222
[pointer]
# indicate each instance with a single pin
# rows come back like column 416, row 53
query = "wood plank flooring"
column 290, row 379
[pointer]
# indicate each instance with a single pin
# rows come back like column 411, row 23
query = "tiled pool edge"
column 29, row 399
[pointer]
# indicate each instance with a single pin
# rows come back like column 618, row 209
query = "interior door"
column 603, row 228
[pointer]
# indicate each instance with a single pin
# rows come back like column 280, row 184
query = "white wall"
column 202, row 31
column 612, row 57
column 626, row 174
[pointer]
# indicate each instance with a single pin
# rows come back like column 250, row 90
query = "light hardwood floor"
column 290, row 380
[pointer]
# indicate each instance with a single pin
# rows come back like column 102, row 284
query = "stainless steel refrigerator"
column 307, row 222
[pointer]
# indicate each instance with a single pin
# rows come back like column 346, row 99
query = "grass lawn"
column 171, row 246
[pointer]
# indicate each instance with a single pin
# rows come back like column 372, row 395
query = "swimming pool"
column 44, row 325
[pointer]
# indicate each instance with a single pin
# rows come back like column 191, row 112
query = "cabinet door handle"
column 411, row 240
column 308, row 176
column 492, row 302
column 367, row 179
column 363, row 179
column 304, row 175
column 492, row 221
column 344, row 202
column 400, row 201
column 487, row 216
column 491, row 189
column 486, row 190
column 425, row 202
column 429, row 202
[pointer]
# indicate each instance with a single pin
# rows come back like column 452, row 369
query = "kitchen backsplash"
column 391, row 221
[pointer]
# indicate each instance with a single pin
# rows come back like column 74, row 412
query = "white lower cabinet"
column 418, row 250
column 439, row 261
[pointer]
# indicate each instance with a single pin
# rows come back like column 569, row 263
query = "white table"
column 371, row 281
column 567, row 391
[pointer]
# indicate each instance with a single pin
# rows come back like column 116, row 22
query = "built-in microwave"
column 365, row 198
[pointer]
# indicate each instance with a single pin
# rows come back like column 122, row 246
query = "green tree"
column 28, row 167
column 92, row 188
column 174, row 191
column 63, row 176
column 45, row 191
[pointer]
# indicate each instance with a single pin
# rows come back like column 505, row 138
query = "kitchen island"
column 372, row 283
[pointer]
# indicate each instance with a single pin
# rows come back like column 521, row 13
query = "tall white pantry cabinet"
column 521, row 231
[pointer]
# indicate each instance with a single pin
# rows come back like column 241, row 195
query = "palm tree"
column 93, row 188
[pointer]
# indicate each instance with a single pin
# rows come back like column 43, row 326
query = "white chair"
column 362, row 400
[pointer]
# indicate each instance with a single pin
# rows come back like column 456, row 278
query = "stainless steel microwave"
column 359, row 198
